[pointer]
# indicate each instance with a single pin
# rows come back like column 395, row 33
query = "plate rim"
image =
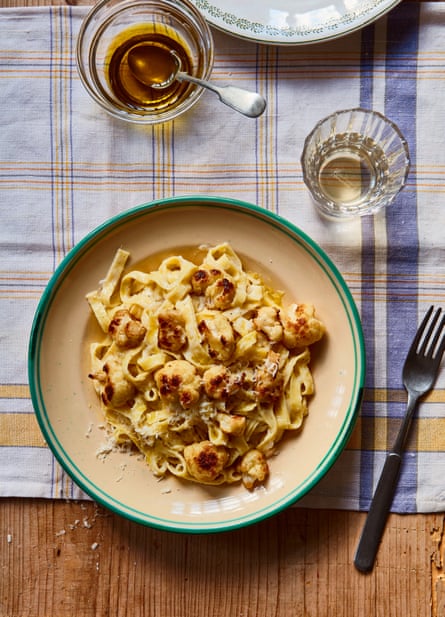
column 38, row 327
column 227, row 22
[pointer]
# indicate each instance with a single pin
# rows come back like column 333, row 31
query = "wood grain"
column 76, row 558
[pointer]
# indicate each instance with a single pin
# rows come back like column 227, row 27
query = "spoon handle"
column 249, row 103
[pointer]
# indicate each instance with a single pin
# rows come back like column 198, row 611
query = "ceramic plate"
column 68, row 410
column 292, row 22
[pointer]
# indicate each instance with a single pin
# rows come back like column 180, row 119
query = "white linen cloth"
column 66, row 166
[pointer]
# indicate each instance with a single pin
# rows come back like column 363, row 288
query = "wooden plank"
column 75, row 558
column 438, row 571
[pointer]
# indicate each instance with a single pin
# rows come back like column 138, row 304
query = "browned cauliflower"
column 218, row 333
column 269, row 381
column 115, row 389
column 171, row 332
column 202, row 278
column 232, row 424
column 267, row 321
column 219, row 383
column 254, row 468
column 300, row 326
column 205, row 461
column 126, row 330
column 220, row 294
column 178, row 382
column 218, row 289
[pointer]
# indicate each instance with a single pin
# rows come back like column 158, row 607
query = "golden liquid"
column 354, row 169
column 128, row 90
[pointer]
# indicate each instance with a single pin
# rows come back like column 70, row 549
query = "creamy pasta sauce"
column 200, row 365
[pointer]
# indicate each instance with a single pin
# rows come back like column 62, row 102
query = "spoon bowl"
column 154, row 66
column 159, row 68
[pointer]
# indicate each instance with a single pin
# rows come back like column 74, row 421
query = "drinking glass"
column 354, row 163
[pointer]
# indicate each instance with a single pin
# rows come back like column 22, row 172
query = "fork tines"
column 436, row 349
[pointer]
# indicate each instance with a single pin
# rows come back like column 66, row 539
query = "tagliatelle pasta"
column 200, row 366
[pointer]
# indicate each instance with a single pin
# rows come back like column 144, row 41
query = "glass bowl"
column 113, row 27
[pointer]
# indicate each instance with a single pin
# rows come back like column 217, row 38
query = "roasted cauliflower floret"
column 205, row 461
column 267, row 321
column 300, row 326
column 220, row 294
column 202, row 278
column 219, row 383
column 232, row 424
column 115, row 389
column 126, row 330
column 171, row 332
column 269, row 381
column 219, row 291
column 254, row 468
column 178, row 382
column 218, row 334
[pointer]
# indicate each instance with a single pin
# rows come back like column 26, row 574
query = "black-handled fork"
column 419, row 374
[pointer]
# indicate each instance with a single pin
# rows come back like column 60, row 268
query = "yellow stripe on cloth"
column 381, row 395
column 427, row 434
column 14, row 391
column 20, row 429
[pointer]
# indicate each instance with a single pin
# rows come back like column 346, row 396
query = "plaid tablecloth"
column 65, row 167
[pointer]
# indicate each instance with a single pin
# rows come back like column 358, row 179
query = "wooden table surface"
column 66, row 559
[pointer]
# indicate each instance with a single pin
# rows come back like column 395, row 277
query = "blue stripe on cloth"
column 173, row 160
column 367, row 279
column 276, row 74
column 53, row 225
column 61, row 74
column 153, row 158
column 72, row 73
column 257, row 174
column 51, row 131
column 263, row 162
column 60, row 142
column 402, row 230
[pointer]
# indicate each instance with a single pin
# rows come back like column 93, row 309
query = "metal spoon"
column 141, row 60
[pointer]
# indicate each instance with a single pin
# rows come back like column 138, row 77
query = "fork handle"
column 378, row 514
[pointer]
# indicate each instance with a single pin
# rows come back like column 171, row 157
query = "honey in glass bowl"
column 127, row 88
column 113, row 27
